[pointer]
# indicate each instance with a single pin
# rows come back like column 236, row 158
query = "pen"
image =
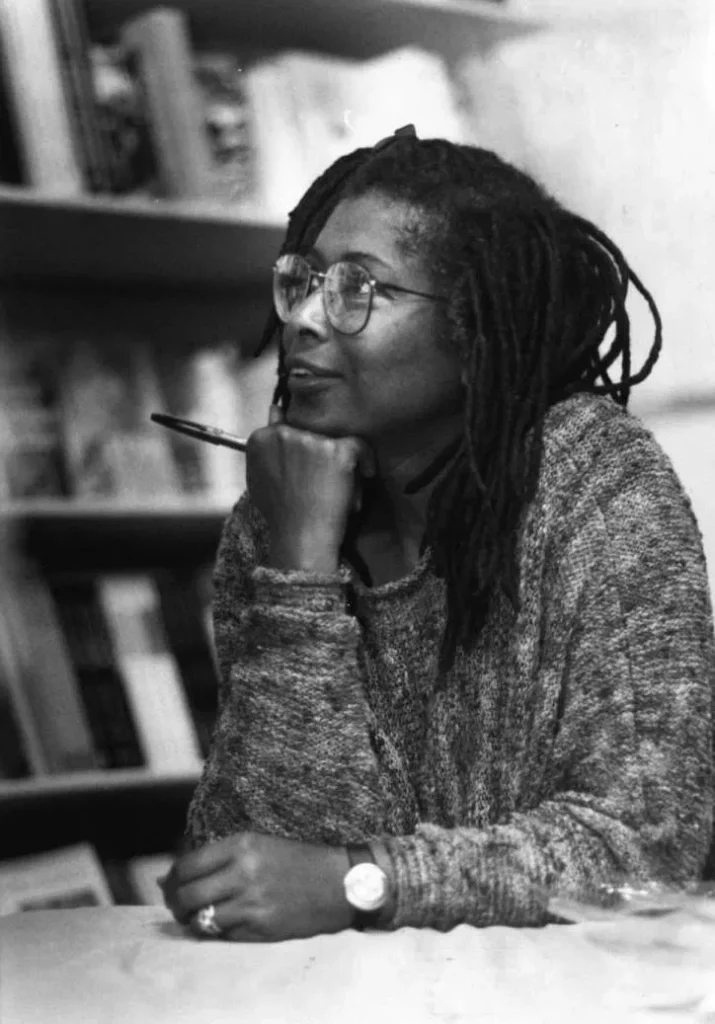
column 200, row 431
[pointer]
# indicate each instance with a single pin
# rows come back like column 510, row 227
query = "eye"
column 353, row 280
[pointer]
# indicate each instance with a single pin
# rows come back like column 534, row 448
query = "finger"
column 219, row 890
column 202, row 862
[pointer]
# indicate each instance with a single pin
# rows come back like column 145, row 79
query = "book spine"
column 203, row 384
column 14, row 763
column 111, row 447
column 69, row 877
column 159, row 45
column 183, row 618
column 115, row 732
column 74, row 49
column 280, row 172
column 28, row 756
column 150, row 673
column 143, row 873
column 35, row 80
column 49, row 679
column 31, row 448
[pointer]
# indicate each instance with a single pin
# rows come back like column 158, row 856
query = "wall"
column 613, row 109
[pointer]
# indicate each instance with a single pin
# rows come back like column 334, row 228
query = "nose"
column 309, row 315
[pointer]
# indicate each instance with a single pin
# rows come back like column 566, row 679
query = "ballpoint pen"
column 200, row 431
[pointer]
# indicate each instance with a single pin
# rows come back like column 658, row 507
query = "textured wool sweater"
column 573, row 746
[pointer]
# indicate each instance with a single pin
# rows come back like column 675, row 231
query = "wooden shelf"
column 64, row 534
column 123, row 814
column 359, row 28
column 82, row 783
column 133, row 242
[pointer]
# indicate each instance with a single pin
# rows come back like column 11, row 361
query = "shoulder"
column 590, row 433
column 608, row 489
column 594, row 448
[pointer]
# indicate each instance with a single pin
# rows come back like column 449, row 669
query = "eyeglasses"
column 347, row 289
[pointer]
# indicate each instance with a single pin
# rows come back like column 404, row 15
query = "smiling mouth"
column 305, row 379
column 303, row 374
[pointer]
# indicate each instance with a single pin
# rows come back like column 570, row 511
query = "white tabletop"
column 134, row 964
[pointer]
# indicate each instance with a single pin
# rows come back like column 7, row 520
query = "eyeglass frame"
column 375, row 286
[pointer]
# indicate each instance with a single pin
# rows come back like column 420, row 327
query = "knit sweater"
column 571, row 747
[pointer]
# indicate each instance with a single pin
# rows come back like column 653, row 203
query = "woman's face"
column 394, row 386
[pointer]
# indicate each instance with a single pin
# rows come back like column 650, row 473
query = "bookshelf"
column 131, row 242
column 361, row 28
column 83, row 534
column 151, row 251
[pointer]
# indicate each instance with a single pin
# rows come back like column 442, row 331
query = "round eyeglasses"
column 347, row 291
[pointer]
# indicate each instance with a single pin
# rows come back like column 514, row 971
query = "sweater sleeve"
column 290, row 753
column 632, row 795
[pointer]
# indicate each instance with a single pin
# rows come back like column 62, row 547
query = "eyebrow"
column 354, row 254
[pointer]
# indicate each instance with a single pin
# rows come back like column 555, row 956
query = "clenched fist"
column 305, row 486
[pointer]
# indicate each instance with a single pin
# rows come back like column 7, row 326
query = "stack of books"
column 149, row 114
column 105, row 671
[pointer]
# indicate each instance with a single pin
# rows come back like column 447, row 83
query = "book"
column 14, row 762
column 159, row 49
column 184, row 618
column 25, row 754
column 32, row 463
column 46, row 675
column 71, row 876
column 280, row 171
column 112, row 449
column 143, row 873
column 74, row 48
column 308, row 109
column 45, row 136
column 114, row 730
column 124, row 123
column 219, row 80
column 149, row 671
column 202, row 383
column 11, row 168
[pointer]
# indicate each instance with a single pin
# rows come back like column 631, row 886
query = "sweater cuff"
column 414, row 887
column 312, row 591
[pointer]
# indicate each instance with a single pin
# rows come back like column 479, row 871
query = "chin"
column 303, row 416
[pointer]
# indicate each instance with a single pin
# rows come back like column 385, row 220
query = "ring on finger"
column 204, row 922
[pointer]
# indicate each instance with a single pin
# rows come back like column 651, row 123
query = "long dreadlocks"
column 534, row 291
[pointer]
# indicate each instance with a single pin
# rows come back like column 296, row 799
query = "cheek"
column 408, row 384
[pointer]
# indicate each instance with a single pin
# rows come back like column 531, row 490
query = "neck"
column 404, row 515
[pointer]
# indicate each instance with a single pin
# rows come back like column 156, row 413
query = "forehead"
column 370, row 224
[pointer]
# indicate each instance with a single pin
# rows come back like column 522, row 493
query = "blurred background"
column 148, row 159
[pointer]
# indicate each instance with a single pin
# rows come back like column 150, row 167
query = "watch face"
column 366, row 887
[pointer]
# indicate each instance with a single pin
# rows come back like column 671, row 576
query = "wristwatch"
column 366, row 887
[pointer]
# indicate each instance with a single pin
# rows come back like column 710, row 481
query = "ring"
column 204, row 921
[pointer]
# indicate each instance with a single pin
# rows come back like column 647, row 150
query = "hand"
column 264, row 888
column 305, row 486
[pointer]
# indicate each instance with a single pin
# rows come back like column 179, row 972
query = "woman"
column 462, row 612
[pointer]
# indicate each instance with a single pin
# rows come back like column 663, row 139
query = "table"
column 135, row 965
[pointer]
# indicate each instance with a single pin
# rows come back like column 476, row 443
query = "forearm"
column 291, row 743
column 504, row 875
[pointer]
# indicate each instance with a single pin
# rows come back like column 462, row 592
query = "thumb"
column 275, row 415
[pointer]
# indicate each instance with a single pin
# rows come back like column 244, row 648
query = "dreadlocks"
column 534, row 291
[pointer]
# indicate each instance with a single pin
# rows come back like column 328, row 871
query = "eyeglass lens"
column 347, row 292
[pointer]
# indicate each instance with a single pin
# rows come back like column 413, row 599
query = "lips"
column 300, row 369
